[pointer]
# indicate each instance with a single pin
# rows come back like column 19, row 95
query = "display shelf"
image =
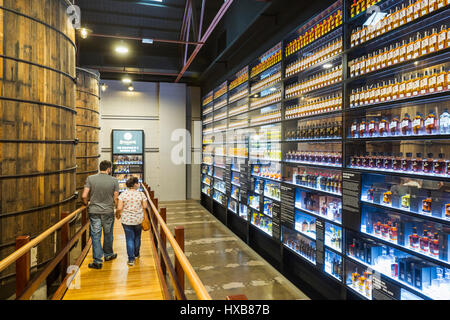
column 357, row 292
column 397, row 281
column 268, row 83
column 309, row 236
column 407, row 212
column 408, row 174
column 314, row 164
column 402, row 66
column 304, row 257
column 397, row 31
column 266, row 178
column 332, row 276
column 402, row 138
column 265, row 232
column 333, row 249
column 316, row 214
column 443, row 263
column 322, row 140
column 336, row 86
column 271, row 198
column 324, row 192
column 318, row 116
column 315, row 67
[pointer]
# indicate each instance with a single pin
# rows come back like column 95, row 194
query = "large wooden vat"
column 88, row 125
column 37, row 122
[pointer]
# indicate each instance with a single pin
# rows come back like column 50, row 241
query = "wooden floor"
column 116, row 280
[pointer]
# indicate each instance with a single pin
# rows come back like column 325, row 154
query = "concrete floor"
column 225, row 264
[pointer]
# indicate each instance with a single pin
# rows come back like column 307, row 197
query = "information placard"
column 276, row 230
column 351, row 195
column 243, row 179
column 320, row 236
column 128, row 142
column 287, row 206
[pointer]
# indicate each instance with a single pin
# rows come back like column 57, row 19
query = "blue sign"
column 127, row 142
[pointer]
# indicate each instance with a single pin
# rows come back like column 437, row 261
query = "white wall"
column 157, row 108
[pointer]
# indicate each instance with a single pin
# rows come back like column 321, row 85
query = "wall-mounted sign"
column 128, row 142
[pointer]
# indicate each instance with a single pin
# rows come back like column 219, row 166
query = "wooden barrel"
column 88, row 125
column 37, row 123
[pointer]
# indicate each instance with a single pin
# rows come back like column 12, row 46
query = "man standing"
column 102, row 190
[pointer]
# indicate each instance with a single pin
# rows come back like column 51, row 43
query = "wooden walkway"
column 116, row 280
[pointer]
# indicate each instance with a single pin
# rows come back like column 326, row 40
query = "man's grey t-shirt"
column 101, row 190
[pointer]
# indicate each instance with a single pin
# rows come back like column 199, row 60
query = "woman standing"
column 130, row 209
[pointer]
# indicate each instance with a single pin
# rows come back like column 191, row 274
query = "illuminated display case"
column 334, row 149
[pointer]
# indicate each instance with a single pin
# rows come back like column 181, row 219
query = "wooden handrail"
column 13, row 257
column 192, row 276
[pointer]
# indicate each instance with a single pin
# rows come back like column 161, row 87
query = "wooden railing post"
column 152, row 195
column 163, row 240
column 179, row 237
column 84, row 218
column 23, row 265
column 155, row 201
column 64, row 240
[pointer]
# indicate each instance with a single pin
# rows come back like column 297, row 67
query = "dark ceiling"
column 248, row 25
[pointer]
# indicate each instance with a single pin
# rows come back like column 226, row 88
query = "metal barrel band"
column 39, row 103
column 37, row 174
column 95, row 111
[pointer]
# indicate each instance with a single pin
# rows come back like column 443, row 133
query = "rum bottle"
column 388, row 162
column 397, row 162
column 424, row 83
column 414, row 239
column 442, row 38
column 387, row 198
column 433, row 40
column 434, row 245
column 424, row 242
column 432, row 81
column 426, row 204
column 417, row 164
column 383, row 127
column 406, row 125
column 407, row 162
column 428, row 164
column 394, row 126
column 444, row 122
column 441, row 80
column 431, row 123
column 373, row 128
column 439, row 165
column 417, row 124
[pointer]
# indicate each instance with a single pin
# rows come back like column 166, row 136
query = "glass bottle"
column 442, row 38
column 414, row 239
column 410, row 85
column 428, row 164
column 387, row 198
column 434, row 245
column 388, row 162
column 406, row 125
column 444, row 122
column 410, row 11
column 425, row 43
column 417, row 124
column 433, row 40
column 441, row 80
column 397, row 162
column 362, row 128
column 380, row 161
column 424, row 83
column 383, row 127
column 373, row 127
column 417, row 165
column 394, row 126
column 432, row 81
column 410, row 49
column 402, row 87
column 407, row 162
column 431, row 123
column 426, row 204
column 424, row 242
column 439, row 165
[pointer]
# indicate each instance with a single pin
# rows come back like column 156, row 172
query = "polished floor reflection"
column 225, row 264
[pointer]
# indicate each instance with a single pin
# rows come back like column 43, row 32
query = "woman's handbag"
column 146, row 222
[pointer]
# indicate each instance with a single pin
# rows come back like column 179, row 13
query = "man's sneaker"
column 136, row 257
column 94, row 265
column 111, row 257
column 130, row 262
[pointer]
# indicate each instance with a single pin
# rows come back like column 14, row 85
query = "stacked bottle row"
column 320, row 29
column 207, row 110
column 266, row 81
column 400, row 163
column 408, row 86
column 267, row 63
column 266, row 154
column 317, row 130
column 328, row 182
column 267, row 117
column 300, row 245
column 323, row 158
column 406, row 126
column 220, row 116
column 208, row 99
column 317, row 81
column 262, row 222
column 238, row 109
column 268, row 99
column 238, row 95
column 359, row 6
column 220, row 92
column 396, row 17
column 415, row 47
column 237, row 152
column 333, row 237
column 317, row 56
column 220, row 104
column 335, row 264
column 238, row 81
column 272, row 190
column 238, row 124
column 266, row 172
column 315, row 106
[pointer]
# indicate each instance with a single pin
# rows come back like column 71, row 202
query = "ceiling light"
column 149, row 41
column 126, row 80
column 104, row 87
column 327, row 65
column 84, row 33
column 130, row 88
column 122, row 49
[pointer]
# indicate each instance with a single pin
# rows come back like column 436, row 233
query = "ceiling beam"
column 205, row 37
column 140, row 39
column 100, row 23
column 128, row 14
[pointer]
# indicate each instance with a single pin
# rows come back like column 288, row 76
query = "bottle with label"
column 417, row 165
column 373, row 127
column 380, row 161
column 407, row 162
column 388, row 162
column 414, row 239
column 383, row 127
column 424, row 83
column 402, row 87
column 406, row 201
column 362, row 128
column 434, row 245
column 394, row 126
column 444, row 122
column 441, row 78
column 428, row 164
column 424, row 242
column 433, row 40
column 442, row 38
column 406, row 125
column 397, row 162
column 417, row 46
column 439, row 165
column 417, row 124
column 426, row 204
column 431, row 123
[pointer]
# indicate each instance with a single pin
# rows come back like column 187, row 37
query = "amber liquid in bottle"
column 428, row 164
column 431, row 123
column 406, row 125
column 417, row 165
column 417, row 124
column 439, row 165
